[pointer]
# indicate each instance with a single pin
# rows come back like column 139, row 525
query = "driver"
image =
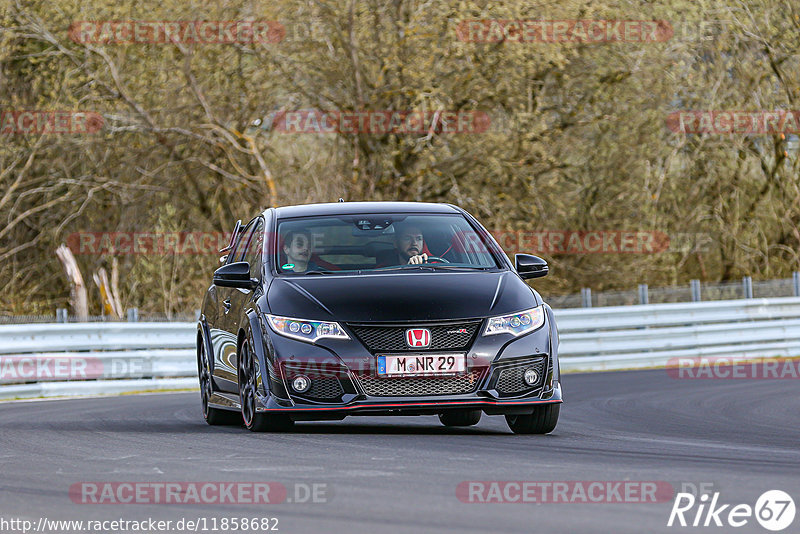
column 410, row 243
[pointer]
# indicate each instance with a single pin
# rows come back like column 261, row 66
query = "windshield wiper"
column 406, row 267
column 465, row 267
column 320, row 272
column 433, row 267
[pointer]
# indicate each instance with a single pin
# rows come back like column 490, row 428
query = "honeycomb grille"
column 511, row 379
column 420, row 386
column 456, row 336
column 327, row 387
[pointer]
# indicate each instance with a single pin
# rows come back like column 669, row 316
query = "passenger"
column 298, row 249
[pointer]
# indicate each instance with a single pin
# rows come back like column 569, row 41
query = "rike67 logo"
column 774, row 510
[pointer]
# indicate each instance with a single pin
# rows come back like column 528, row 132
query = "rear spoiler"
column 235, row 233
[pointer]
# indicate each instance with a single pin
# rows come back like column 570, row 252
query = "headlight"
column 516, row 324
column 306, row 330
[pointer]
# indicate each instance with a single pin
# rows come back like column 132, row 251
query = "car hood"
column 400, row 297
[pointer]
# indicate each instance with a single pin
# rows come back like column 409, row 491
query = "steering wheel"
column 436, row 259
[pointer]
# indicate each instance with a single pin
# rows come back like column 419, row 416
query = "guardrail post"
column 133, row 315
column 643, row 296
column 61, row 315
column 586, row 297
column 695, row 286
column 747, row 284
column 796, row 283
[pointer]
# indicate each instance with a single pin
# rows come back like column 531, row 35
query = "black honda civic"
column 375, row 308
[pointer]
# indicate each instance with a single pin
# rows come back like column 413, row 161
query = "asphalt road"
column 400, row 474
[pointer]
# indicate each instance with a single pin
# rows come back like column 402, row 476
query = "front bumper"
column 346, row 367
column 415, row 405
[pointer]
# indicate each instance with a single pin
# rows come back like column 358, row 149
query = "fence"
column 101, row 358
column 695, row 291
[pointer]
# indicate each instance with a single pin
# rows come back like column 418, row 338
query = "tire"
column 460, row 418
column 254, row 421
column 542, row 421
column 212, row 416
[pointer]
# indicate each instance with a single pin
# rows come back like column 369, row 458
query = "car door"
column 224, row 336
column 240, row 297
column 211, row 303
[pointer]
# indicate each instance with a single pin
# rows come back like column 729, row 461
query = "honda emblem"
column 418, row 337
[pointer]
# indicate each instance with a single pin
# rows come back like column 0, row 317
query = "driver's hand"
column 418, row 259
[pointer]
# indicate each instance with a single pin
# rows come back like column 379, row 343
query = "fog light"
column 301, row 384
column 531, row 377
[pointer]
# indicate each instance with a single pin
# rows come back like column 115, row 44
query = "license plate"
column 421, row 364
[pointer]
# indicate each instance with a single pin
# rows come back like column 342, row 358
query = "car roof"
column 355, row 208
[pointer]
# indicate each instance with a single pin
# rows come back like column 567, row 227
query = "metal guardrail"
column 132, row 315
column 103, row 358
column 28, row 338
column 630, row 337
column 95, row 358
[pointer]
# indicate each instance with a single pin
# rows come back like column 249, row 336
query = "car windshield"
column 385, row 242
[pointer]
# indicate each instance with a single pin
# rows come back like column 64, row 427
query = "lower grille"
column 324, row 387
column 420, row 386
column 510, row 380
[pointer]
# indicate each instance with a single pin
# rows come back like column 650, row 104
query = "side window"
column 238, row 252
column 253, row 254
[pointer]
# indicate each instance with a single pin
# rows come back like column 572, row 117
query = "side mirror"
column 234, row 275
column 530, row 266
